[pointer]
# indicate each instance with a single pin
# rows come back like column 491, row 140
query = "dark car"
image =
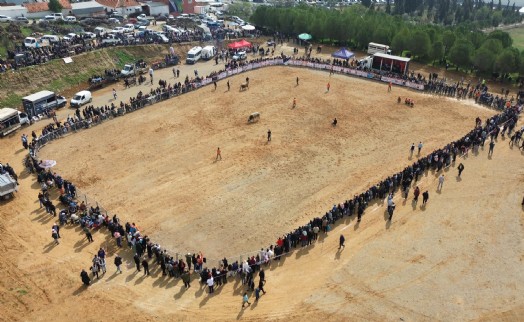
column 143, row 22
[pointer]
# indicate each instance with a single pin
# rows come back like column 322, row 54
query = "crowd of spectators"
column 176, row 266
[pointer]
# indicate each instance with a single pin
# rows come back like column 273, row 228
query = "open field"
column 517, row 34
column 460, row 258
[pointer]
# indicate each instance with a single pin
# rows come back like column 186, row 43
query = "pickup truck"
column 111, row 39
column 134, row 69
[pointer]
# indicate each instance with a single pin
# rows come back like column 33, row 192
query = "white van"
column 81, row 98
column 208, row 52
column 194, row 54
column 50, row 38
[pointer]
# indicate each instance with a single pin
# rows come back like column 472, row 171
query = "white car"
column 129, row 27
column 49, row 19
column 70, row 36
column 88, row 35
column 113, row 21
column 118, row 30
column 240, row 55
column 24, row 119
column 5, row 18
column 70, row 19
column 141, row 17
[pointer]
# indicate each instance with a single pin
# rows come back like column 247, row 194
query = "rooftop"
column 43, row 6
column 118, row 3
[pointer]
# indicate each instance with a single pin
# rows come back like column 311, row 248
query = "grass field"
column 517, row 34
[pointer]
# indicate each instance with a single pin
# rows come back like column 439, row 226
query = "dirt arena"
column 458, row 259
column 158, row 166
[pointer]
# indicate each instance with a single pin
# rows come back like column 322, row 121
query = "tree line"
column 451, row 12
column 356, row 26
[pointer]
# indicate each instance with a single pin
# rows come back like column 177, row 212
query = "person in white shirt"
column 210, row 284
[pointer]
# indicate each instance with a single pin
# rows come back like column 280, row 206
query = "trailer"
column 8, row 186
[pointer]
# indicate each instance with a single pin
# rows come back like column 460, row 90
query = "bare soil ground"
column 459, row 258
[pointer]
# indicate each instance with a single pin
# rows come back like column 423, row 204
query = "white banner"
column 319, row 66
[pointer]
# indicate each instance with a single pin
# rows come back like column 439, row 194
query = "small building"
column 13, row 11
column 85, row 9
column 154, row 8
column 123, row 7
column 196, row 6
column 390, row 63
column 41, row 9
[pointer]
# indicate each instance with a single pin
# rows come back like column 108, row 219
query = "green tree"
column 484, row 60
column 419, row 43
column 448, row 38
column 506, row 61
column 493, row 45
column 437, row 50
column 503, row 36
column 243, row 10
column 496, row 18
column 460, row 53
column 55, row 6
column 400, row 41
column 381, row 35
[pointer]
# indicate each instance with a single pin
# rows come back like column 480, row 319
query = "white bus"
column 378, row 48
column 194, row 55
column 9, row 121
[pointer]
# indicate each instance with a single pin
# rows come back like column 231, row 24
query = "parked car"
column 100, row 31
column 58, row 16
column 111, row 39
column 129, row 27
column 50, row 38
column 70, row 19
column 21, row 20
column 24, row 118
column 143, row 22
column 48, row 19
column 70, row 36
column 240, row 55
column 88, row 35
column 113, row 21
column 118, row 30
column 5, row 19
column 141, row 17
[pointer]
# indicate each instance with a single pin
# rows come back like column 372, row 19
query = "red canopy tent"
column 239, row 44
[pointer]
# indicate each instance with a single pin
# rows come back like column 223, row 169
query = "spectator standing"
column 425, row 197
column 145, row 265
column 118, row 262
column 460, row 169
column 440, row 182
column 88, row 235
